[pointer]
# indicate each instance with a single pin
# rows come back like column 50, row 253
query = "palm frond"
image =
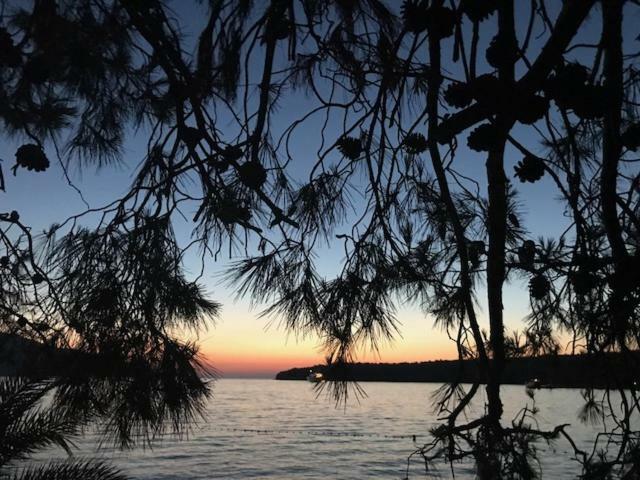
column 70, row 470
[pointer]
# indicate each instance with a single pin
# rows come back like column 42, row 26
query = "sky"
column 242, row 343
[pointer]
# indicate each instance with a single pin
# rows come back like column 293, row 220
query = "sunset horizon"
column 408, row 231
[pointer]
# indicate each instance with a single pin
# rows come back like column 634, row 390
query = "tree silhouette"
column 397, row 93
column 27, row 427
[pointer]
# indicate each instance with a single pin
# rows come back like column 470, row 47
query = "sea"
column 270, row 429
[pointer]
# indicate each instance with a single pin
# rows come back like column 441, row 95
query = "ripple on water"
column 303, row 436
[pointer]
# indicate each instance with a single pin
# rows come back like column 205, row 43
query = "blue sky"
column 239, row 337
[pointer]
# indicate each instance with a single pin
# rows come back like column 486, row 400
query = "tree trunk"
column 497, row 227
column 611, row 150
column 435, row 82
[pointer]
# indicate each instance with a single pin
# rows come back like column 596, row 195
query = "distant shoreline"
column 570, row 371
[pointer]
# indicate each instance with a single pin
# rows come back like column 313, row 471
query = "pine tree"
column 401, row 91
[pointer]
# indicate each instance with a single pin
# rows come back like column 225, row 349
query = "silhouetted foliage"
column 26, row 426
column 382, row 181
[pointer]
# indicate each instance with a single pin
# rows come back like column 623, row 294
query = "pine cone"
column 501, row 52
column 631, row 137
column 590, row 102
column 443, row 135
column 476, row 249
column 441, row 22
column 232, row 153
column 190, row 136
column 230, row 212
column 279, row 28
column 489, row 90
column 573, row 74
column 415, row 143
column 414, row 15
column 583, row 281
column 32, row 157
column 532, row 109
column 527, row 254
column 484, row 138
column 539, row 287
column 10, row 54
column 252, row 174
column 478, row 10
column 459, row 95
column 529, row 169
column 350, row 147
column 565, row 86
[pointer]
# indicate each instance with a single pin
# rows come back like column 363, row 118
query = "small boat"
column 536, row 383
column 315, row 377
column 533, row 383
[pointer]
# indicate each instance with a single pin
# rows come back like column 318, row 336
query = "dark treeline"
column 20, row 356
column 25, row 358
column 575, row 371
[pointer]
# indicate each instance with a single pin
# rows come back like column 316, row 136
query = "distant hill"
column 22, row 356
column 577, row 371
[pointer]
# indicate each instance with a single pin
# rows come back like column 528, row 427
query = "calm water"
column 271, row 429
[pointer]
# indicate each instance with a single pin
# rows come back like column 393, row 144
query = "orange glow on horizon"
column 258, row 352
column 229, row 365
column 268, row 364
column 241, row 344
